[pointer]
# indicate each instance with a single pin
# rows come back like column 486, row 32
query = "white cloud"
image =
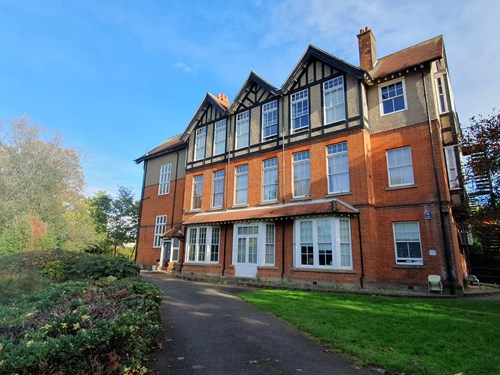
column 183, row 68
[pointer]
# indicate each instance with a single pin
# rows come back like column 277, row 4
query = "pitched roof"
column 315, row 52
column 209, row 99
column 429, row 50
column 253, row 78
column 333, row 206
column 171, row 144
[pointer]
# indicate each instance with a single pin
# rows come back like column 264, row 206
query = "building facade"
column 344, row 176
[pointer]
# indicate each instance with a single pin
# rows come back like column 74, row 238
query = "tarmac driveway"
column 207, row 329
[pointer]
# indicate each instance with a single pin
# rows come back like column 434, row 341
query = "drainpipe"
column 283, row 149
column 282, row 250
column 224, row 254
column 438, row 189
column 361, row 253
column 140, row 209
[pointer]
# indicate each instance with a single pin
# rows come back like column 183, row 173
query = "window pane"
column 301, row 174
column 199, row 147
column 242, row 129
column 220, row 137
column 214, row 249
column 400, row 166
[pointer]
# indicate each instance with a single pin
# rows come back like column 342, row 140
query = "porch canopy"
column 276, row 212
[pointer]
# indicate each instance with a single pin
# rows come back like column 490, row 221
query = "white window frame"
column 299, row 109
column 335, row 87
column 269, row 119
column 241, row 184
column 338, row 168
column 174, row 250
column 339, row 243
column 394, row 169
column 200, row 143
column 218, row 189
column 160, row 227
column 265, row 242
column 400, row 238
column 299, row 165
column 442, row 93
column 242, row 134
column 219, row 137
column 452, row 167
column 201, row 251
column 270, row 241
column 392, row 98
column 164, row 181
column 197, row 188
column 269, row 179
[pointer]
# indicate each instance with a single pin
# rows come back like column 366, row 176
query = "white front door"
column 245, row 253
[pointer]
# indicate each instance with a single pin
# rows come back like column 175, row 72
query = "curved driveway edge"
column 207, row 329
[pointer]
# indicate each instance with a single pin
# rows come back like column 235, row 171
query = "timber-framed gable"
column 200, row 133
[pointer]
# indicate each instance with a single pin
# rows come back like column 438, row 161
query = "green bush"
column 79, row 328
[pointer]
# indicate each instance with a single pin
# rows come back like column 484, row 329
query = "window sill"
column 300, row 130
column 412, row 186
column 216, row 209
column 194, row 211
column 298, row 199
column 409, row 265
column 329, row 195
column 240, row 206
column 316, row 270
column 267, row 268
column 338, row 122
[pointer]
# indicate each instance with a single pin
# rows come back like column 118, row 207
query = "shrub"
column 77, row 328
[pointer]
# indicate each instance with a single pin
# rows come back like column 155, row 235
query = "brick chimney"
column 367, row 49
column 223, row 98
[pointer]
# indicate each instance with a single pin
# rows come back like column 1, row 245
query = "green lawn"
column 404, row 335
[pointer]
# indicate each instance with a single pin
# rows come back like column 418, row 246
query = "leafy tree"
column 100, row 207
column 41, row 180
column 481, row 141
column 115, row 218
column 122, row 224
column 481, row 144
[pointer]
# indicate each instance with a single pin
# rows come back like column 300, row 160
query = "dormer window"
column 299, row 102
column 392, row 97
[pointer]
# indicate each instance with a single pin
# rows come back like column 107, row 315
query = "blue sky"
column 116, row 78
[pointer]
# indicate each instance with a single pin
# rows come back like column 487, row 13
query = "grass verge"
column 403, row 335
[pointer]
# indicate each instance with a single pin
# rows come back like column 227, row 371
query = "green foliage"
column 402, row 335
column 41, row 184
column 15, row 236
column 77, row 328
column 27, row 272
column 115, row 219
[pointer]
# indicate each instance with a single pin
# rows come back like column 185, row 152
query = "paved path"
column 207, row 329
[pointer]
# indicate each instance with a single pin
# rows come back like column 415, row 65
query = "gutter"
column 447, row 255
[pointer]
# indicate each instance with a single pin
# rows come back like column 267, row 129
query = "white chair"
column 434, row 283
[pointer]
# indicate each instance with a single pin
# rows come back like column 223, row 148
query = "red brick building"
column 344, row 176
